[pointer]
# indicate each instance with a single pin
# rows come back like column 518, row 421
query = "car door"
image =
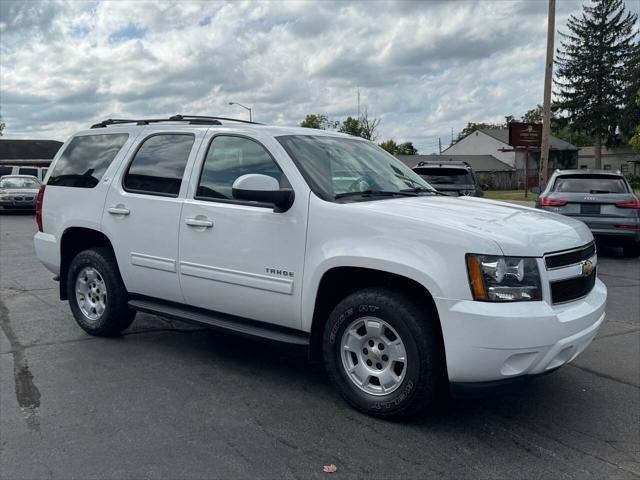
column 241, row 257
column 142, row 211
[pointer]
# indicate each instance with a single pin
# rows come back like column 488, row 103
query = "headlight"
column 503, row 279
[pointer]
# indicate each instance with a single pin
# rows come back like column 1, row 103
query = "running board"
column 220, row 321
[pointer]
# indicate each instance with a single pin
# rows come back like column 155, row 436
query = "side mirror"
column 535, row 190
column 256, row 187
column 484, row 187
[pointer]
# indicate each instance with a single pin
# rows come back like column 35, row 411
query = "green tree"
column 352, row 126
column 390, row 146
column 533, row 116
column 631, row 109
column 592, row 69
column 472, row 127
column 407, row 148
column 319, row 121
column 634, row 141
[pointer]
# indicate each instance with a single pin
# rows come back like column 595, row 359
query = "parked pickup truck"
column 401, row 291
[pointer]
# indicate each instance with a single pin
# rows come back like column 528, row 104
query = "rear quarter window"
column 5, row 171
column 86, row 158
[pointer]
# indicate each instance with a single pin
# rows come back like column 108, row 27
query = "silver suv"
column 602, row 199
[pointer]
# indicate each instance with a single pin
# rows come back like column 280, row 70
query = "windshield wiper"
column 422, row 190
column 376, row 193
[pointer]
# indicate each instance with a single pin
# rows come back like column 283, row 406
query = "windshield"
column 439, row 176
column 19, row 182
column 339, row 167
column 590, row 184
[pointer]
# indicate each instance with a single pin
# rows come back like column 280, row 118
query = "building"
column 489, row 170
column 621, row 158
column 495, row 142
column 28, row 153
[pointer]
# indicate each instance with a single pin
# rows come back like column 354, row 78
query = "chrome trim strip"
column 564, row 252
column 236, row 277
column 150, row 261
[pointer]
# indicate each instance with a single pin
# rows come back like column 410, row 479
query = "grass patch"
column 509, row 195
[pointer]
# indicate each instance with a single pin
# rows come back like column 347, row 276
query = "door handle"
column 199, row 222
column 118, row 210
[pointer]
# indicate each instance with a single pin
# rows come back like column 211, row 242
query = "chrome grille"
column 571, row 257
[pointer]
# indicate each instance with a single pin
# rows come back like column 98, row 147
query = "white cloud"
column 423, row 67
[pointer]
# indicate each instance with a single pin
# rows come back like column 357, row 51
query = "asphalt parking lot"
column 167, row 400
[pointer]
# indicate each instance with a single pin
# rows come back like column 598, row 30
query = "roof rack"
column 424, row 163
column 191, row 119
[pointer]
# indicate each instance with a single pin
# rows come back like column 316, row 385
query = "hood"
column 518, row 230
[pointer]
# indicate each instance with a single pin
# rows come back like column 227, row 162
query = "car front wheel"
column 384, row 353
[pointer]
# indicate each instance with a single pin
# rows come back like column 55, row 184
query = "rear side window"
column 28, row 171
column 590, row 184
column 5, row 171
column 158, row 165
column 86, row 158
column 229, row 158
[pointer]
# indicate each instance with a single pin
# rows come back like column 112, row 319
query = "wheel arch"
column 73, row 241
column 338, row 282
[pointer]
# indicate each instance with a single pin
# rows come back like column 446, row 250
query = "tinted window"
column 28, row 171
column 158, row 165
column 19, row 182
column 5, row 171
column 590, row 184
column 85, row 160
column 229, row 158
column 456, row 176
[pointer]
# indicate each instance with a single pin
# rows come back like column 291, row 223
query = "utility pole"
column 546, row 106
column 358, row 102
column 439, row 146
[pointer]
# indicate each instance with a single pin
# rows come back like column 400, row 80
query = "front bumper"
column 18, row 204
column 487, row 342
column 613, row 230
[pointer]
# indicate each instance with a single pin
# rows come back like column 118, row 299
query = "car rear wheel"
column 384, row 353
column 97, row 296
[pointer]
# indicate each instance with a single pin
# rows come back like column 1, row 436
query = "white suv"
column 315, row 238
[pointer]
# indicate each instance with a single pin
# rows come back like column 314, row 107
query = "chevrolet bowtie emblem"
column 587, row 268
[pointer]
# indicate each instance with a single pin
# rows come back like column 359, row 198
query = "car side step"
column 220, row 321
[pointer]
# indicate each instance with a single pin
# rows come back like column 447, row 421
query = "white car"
column 254, row 229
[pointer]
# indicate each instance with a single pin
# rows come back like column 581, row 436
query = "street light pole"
column 546, row 106
column 246, row 108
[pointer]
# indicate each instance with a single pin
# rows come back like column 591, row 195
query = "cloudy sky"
column 424, row 68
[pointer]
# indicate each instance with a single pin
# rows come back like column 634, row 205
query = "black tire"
column 117, row 316
column 425, row 374
column 631, row 251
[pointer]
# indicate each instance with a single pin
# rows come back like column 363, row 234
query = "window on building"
column 158, row 165
column 28, row 171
